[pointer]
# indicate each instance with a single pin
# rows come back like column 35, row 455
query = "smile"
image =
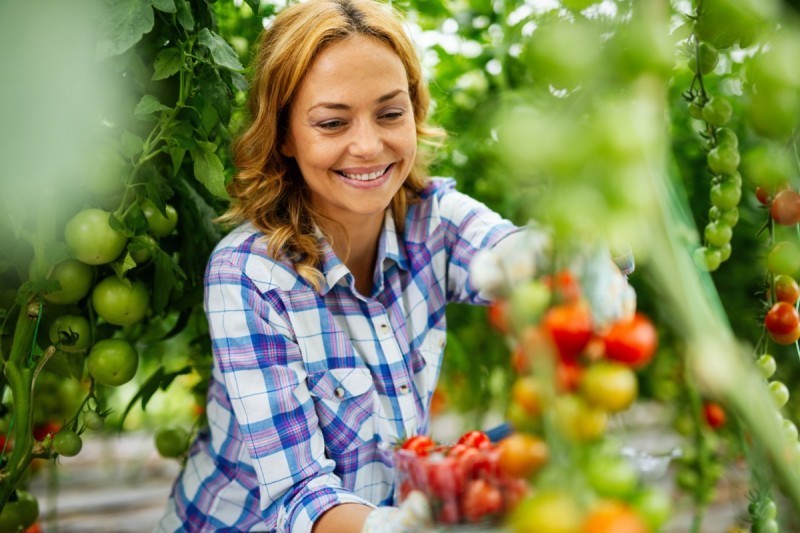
column 368, row 176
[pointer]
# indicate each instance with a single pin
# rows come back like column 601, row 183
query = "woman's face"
column 352, row 130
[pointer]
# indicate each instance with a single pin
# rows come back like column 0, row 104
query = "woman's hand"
column 413, row 515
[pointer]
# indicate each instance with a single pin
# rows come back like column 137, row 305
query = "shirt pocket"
column 426, row 363
column 344, row 400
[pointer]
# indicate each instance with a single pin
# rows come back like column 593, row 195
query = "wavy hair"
column 268, row 189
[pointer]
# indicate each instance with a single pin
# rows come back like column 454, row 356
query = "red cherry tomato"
column 419, row 444
column 446, row 477
column 714, row 415
column 481, row 499
column 782, row 318
column 498, row 316
column 786, row 338
column 785, row 208
column 570, row 327
column 786, row 289
column 568, row 375
column 632, row 342
column 475, row 439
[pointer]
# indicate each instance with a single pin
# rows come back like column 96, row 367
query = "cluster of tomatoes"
column 473, row 480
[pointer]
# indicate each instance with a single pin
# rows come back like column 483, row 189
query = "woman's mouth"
column 365, row 176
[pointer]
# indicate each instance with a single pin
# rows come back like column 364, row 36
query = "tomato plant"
column 112, row 362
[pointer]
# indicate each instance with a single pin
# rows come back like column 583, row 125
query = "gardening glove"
column 413, row 515
column 605, row 286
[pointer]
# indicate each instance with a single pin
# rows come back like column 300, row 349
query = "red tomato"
column 632, row 342
column 763, row 195
column 475, row 439
column 785, row 208
column 564, row 286
column 446, row 477
column 568, row 375
column 570, row 327
column 475, row 463
column 782, row 318
column 522, row 455
column 786, row 289
column 714, row 414
column 786, row 338
column 419, row 444
column 449, row 512
column 40, row 431
column 498, row 316
column 481, row 499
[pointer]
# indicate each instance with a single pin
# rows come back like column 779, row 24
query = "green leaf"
column 167, row 62
column 221, row 52
column 215, row 92
column 124, row 24
column 164, row 280
column 185, row 16
column 183, row 135
column 176, row 153
column 159, row 380
column 130, row 144
column 123, row 265
column 148, row 105
column 208, row 169
column 254, row 5
column 167, row 6
column 31, row 287
column 158, row 190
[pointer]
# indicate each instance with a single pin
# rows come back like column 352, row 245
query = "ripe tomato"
column 475, row 439
column 445, row 477
column 119, row 302
column 568, row 375
column 71, row 333
column 497, row 315
column 481, row 499
column 419, row 444
column 527, row 393
column 522, row 455
column 42, row 430
column 92, row 239
column 171, row 441
column 570, row 326
column 615, row 517
column 786, row 289
column 67, row 443
column 564, row 285
column 763, row 196
column 785, row 208
column 714, row 415
column 609, row 386
column 632, row 342
column 438, row 401
column 75, row 278
column 112, row 362
column 160, row 224
column 782, row 318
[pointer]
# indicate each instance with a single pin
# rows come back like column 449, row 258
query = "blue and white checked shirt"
column 310, row 389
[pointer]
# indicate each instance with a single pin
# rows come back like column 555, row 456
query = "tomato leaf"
column 131, row 144
column 31, row 287
column 167, row 6
column 208, row 169
column 254, row 5
column 160, row 379
column 221, row 52
column 184, row 15
column 148, row 105
column 215, row 92
column 168, row 62
column 124, row 24
column 176, row 153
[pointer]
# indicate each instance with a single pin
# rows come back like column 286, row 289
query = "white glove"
column 610, row 296
column 413, row 515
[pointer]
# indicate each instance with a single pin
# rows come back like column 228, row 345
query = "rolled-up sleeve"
column 262, row 368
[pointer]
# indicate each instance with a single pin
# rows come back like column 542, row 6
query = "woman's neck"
column 357, row 246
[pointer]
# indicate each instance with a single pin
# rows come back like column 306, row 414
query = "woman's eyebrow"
column 339, row 106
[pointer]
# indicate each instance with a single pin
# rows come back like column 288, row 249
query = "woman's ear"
column 287, row 147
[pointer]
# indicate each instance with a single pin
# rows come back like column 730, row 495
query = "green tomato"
column 717, row 111
column 119, row 302
column 655, row 507
column 92, row 239
column 789, row 430
column 141, row 248
column 93, row 420
column 766, row 525
column 67, row 443
column 769, row 510
column 726, row 195
column 160, row 224
column 706, row 57
column 724, row 159
column 725, row 252
column 172, row 441
column 112, row 362
column 20, row 513
column 75, row 278
column 784, row 258
column 780, row 393
column 696, row 109
column 718, row 234
column 107, row 171
column 528, row 302
column 767, row 365
column 71, row 333
column 609, row 386
column 612, row 477
column 727, row 137
column 707, row 259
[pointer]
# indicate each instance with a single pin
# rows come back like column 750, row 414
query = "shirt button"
column 339, row 392
column 404, row 389
column 384, row 328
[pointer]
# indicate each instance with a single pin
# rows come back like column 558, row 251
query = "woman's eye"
column 331, row 124
column 393, row 115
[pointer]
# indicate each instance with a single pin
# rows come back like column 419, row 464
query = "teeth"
column 365, row 177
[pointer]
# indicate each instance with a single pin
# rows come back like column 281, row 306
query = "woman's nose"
column 366, row 141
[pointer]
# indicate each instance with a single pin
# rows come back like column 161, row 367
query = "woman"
column 326, row 306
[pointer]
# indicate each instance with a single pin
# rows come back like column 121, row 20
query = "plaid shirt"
column 310, row 389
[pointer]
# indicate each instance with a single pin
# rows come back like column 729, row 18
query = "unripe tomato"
column 160, row 224
column 92, row 239
column 655, row 507
column 547, row 511
column 172, row 441
column 781, row 318
column 725, row 251
column 724, row 159
column 140, row 248
column 725, row 195
column 784, row 258
column 706, row 57
column 717, row 111
column 67, row 443
column 112, row 362
column 779, row 392
column 767, row 365
column 633, row 341
column 20, row 511
column 71, row 333
column 577, row 420
column 93, row 420
column 718, row 234
column 786, row 289
column 522, row 455
column 119, row 302
column 612, row 477
column 75, row 278
column 729, row 217
column 726, row 136
column 707, row 259
column 528, row 302
column 785, row 208
column 609, row 386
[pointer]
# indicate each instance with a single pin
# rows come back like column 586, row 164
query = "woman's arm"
column 344, row 518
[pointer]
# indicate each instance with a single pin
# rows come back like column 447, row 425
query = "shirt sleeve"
column 469, row 226
column 262, row 369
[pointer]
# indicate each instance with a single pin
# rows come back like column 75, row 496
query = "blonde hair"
column 268, row 189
